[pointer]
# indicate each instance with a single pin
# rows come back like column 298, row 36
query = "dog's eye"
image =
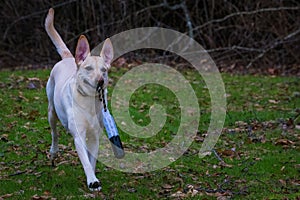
column 89, row 68
column 103, row 69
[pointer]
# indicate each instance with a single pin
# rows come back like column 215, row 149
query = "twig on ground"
column 18, row 173
column 216, row 154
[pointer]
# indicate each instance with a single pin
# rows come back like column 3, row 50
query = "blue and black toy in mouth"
column 110, row 125
column 117, row 147
column 113, row 135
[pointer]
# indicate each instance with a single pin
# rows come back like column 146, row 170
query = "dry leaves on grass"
column 22, row 82
column 192, row 191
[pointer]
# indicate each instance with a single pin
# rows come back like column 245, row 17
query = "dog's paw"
column 53, row 155
column 53, row 152
column 95, row 186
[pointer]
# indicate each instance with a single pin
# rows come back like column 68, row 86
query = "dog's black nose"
column 100, row 84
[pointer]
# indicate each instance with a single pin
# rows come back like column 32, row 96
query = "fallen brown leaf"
column 6, row 196
column 296, row 182
column 227, row 152
column 273, row 101
column 36, row 197
column 167, row 186
column 223, row 164
column 178, row 194
column 283, row 182
column 4, row 137
column 283, row 142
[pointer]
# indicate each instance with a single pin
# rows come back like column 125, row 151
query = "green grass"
column 261, row 159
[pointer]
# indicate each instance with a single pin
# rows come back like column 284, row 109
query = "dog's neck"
column 87, row 105
column 81, row 91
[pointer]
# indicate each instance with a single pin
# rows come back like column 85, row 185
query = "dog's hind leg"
column 52, row 118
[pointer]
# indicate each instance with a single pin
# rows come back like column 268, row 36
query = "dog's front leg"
column 93, row 146
column 92, row 182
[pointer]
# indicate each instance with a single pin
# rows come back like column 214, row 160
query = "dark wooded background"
column 247, row 36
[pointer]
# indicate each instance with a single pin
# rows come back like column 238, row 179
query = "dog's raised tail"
column 61, row 47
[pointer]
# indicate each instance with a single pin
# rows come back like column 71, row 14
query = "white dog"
column 71, row 91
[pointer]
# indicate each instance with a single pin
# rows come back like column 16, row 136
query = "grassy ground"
column 256, row 157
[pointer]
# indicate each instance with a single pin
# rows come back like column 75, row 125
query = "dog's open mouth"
column 89, row 84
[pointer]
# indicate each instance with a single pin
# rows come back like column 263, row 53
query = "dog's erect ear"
column 107, row 52
column 82, row 50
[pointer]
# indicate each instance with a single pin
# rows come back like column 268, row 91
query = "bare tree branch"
column 245, row 13
column 273, row 45
column 230, row 32
column 182, row 6
column 31, row 15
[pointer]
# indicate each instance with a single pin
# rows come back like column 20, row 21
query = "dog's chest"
column 87, row 111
